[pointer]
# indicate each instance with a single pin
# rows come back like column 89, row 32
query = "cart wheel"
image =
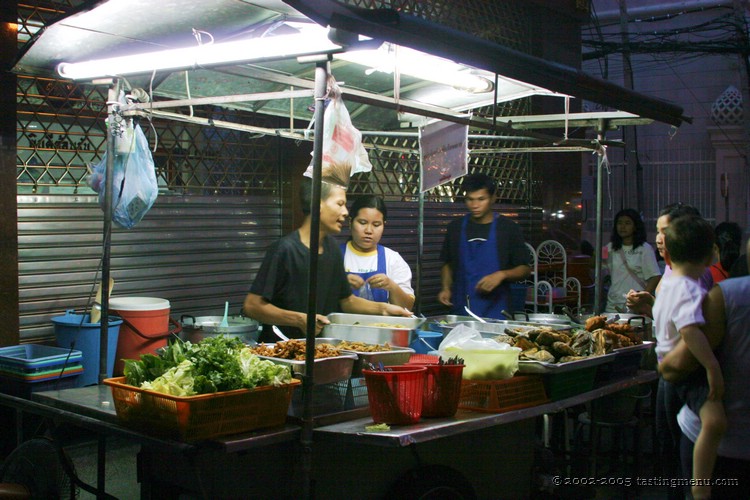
column 432, row 482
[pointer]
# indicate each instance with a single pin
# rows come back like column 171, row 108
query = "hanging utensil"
column 278, row 333
column 225, row 322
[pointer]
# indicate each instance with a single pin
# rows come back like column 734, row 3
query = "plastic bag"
column 343, row 154
column 465, row 337
column 135, row 188
column 484, row 358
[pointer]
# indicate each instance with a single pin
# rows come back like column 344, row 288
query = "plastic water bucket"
column 426, row 341
column 76, row 331
column 145, row 327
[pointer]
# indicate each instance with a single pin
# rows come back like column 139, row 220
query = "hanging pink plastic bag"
column 343, row 152
column 135, row 188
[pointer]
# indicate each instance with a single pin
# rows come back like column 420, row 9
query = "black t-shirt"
column 284, row 275
column 511, row 250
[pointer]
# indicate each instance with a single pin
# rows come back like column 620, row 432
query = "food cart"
column 483, row 55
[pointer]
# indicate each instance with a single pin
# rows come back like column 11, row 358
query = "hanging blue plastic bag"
column 135, row 188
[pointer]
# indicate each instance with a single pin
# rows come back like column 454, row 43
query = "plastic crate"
column 42, row 374
column 570, row 383
column 331, row 398
column 24, row 388
column 498, row 396
column 33, row 357
column 205, row 416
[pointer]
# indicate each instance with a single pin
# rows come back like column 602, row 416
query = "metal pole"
column 321, row 79
column 420, row 249
column 599, row 202
column 113, row 127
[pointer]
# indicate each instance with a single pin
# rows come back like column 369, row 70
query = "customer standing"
column 375, row 272
column 278, row 296
column 726, row 309
column 483, row 253
column 728, row 241
column 631, row 261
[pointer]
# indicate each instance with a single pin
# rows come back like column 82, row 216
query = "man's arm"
column 358, row 305
column 446, row 279
column 261, row 310
column 680, row 362
column 492, row 281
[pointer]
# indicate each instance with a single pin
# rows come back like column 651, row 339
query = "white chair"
column 552, row 285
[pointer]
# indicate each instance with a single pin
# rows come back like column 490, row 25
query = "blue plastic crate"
column 32, row 357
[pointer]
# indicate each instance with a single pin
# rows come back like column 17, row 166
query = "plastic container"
column 442, row 390
column 486, row 364
column 205, row 416
column 426, row 341
column 396, row 395
column 76, row 331
column 145, row 327
column 570, row 383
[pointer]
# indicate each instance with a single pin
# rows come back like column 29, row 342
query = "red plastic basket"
column 395, row 396
column 423, row 359
column 498, row 396
column 442, row 390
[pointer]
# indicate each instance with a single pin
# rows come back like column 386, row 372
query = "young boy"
column 678, row 314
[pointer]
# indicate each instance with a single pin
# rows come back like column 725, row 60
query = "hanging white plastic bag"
column 485, row 358
column 343, row 154
column 134, row 189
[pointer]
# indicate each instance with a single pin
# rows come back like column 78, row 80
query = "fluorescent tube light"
column 420, row 65
column 306, row 42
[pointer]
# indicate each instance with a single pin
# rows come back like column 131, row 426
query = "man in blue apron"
column 483, row 253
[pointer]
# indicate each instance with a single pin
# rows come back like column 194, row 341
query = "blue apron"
column 477, row 259
column 378, row 294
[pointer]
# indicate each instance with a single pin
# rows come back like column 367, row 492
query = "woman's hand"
column 355, row 281
column 640, row 302
column 380, row 281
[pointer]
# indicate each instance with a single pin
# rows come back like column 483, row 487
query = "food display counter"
column 491, row 452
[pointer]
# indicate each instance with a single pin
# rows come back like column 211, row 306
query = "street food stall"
column 318, row 451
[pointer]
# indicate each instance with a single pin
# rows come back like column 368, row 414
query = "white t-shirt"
column 396, row 267
column 642, row 260
column 678, row 304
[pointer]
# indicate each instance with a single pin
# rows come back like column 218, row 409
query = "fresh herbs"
column 213, row 365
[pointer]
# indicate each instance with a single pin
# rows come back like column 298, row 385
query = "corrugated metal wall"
column 197, row 252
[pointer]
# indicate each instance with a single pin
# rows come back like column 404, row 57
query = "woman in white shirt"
column 631, row 261
column 375, row 272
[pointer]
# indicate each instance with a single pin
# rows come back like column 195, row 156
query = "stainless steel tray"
column 396, row 356
column 367, row 320
column 436, row 323
column 498, row 327
column 326, row 370
column 362, row 328
column 539, row 367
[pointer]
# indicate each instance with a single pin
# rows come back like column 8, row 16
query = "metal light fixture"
column 310, row 39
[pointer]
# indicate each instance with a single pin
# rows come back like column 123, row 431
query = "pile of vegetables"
column 213, row 365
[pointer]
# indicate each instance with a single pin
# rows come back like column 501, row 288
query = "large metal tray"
column 436, row 323
column 498, row 327
column 361, row 328
column 396, row 356
column 326, row 370
column 539, row 367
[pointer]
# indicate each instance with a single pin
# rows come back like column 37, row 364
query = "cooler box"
column 145, row 327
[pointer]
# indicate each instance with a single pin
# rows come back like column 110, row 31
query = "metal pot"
column 195, row 329
column 545, row 319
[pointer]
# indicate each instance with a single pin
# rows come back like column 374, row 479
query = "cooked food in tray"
column 348, row 345
column 547, row 345
column 295, row 349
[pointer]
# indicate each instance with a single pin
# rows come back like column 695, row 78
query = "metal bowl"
column 195, row 329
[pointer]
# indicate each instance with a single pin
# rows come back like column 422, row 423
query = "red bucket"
column 395, row 396
column 442, row 390
column 145, row 327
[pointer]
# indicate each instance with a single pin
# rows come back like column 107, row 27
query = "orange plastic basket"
column 498, row 396
column 205, row 416
column 395, row 396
